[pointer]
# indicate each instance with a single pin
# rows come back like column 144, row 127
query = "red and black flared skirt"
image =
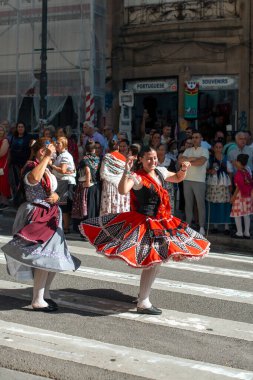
column 143, row 241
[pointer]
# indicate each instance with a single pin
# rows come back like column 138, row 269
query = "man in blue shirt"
column 92, row 135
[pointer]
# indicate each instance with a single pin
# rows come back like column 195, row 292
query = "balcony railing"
column 181, row 10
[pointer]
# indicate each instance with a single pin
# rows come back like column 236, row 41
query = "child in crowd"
column 242, row 201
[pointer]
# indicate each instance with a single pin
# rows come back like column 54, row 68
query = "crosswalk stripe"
column 192, row 267
column 225, row 294
column 124, row 310
column 212, row 255
column 166, row 285
column 169, row 285
column 112, row 357
column 87, row 249
column 180, row 265
column 211, row 270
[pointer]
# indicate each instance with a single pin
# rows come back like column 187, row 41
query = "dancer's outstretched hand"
column 129, row 163
column 185, row 165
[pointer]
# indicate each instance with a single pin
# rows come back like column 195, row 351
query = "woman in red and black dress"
column 151, row 235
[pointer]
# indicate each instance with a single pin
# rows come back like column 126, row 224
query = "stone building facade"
column 157, row 46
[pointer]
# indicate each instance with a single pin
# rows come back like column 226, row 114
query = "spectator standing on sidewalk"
column 242, row 199
column 164, row 160
column 241, row 148
column 124, row 147
column 64, row 170
column 111, row 171
column 195, row 180
column 86, row 201
column 155, row 140
column 5, row 192
column 166, row 135
column 219, row 188
column 249, row 139
column 146, row 137
column 108, row 136
column 187, row 143
column 19, row 154
column 92, row 135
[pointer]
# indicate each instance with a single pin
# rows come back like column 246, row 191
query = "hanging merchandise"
column 191, row 92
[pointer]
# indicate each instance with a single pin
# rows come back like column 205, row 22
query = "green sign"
column 191, row 92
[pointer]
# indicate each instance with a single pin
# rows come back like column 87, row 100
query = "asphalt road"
column 205, row 331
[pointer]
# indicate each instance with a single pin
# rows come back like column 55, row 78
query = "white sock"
column 226, row 226
column 40, row 279
column 246, row 225
column 50, row 277
column 238, row 223
column 147, row 279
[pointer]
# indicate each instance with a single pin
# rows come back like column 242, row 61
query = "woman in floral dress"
column 111, row 171
column 219, row 189
column 242, row 199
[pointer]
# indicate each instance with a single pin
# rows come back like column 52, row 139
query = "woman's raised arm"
column 180, row 175
column 126, row 183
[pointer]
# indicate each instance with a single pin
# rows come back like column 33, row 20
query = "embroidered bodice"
column 35, row 193
column 148, row 199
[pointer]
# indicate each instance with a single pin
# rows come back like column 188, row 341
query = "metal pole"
column 17, row 61
column 43, row 58
column 92, row 47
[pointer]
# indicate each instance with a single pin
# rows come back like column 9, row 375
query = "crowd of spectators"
column 215, row 195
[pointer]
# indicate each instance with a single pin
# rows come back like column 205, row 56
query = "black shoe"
column 226, row 232
column 237, row 236
column 151, row 310
column 246, row 237
column 47, row 309
column 51, row 303
column 4, row 207
column 214, row 231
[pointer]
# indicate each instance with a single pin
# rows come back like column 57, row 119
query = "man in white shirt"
column 241, row 147
column 195, row 180
column 166, row 135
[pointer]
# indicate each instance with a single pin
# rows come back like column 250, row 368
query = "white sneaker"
column 202, row 231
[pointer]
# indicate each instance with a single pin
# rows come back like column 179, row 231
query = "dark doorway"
column 67, row 116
